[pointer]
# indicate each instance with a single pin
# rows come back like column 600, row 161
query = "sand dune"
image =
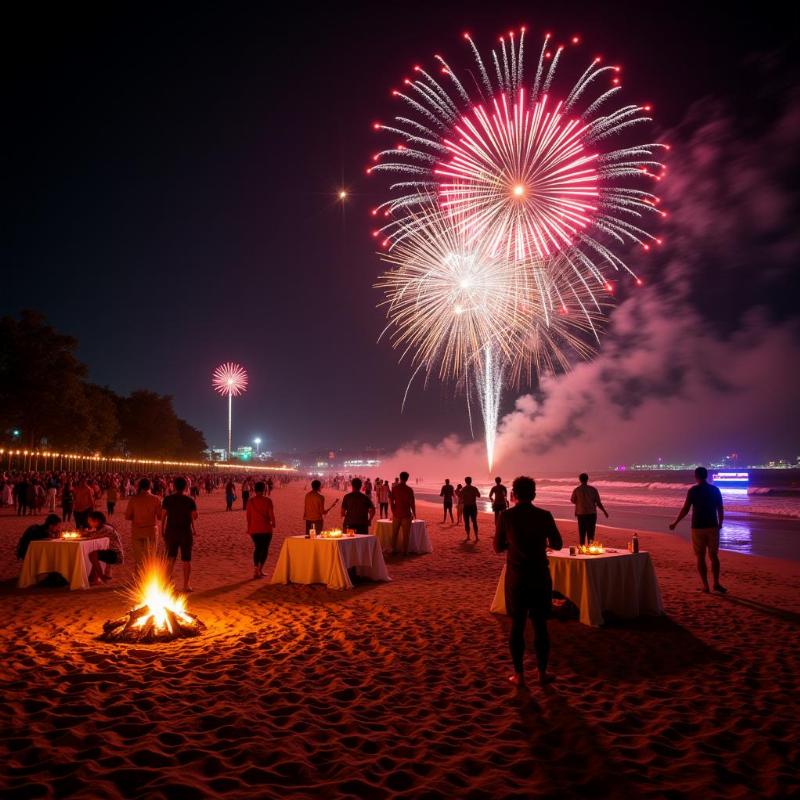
column 398, row 690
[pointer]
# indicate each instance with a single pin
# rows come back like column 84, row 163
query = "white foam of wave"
column 787, row 507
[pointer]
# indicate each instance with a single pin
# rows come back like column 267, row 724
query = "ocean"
column 762, row 520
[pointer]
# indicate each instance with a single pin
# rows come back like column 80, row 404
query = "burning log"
column 159, row 614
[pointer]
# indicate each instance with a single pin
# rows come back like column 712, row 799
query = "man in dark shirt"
column 525, row 532
column 357, row 509
column 469, row 500
column 498, row 495
column 705, row 500
column 177, row 528
column 446, row 493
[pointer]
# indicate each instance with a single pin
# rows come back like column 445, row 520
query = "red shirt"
column 260, row 514
column 402, row 501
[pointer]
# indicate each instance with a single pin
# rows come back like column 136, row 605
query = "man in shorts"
column 705, row 501
column 177, row 528
column 404, row 510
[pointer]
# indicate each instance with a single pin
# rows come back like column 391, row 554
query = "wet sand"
column 398, row 689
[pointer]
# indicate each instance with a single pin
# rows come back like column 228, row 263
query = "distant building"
column 243, row 453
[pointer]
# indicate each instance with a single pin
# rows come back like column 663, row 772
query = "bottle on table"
column 635, row 543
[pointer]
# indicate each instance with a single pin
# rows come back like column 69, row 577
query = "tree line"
column 46, row 401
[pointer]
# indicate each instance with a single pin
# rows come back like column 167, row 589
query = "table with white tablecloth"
column 418, row 540
column 620, row 582
column 327, row 561
column 68, row 557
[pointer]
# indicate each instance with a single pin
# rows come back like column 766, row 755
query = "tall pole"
column 230, row 413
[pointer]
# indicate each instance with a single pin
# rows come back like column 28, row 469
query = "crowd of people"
column 523, row 531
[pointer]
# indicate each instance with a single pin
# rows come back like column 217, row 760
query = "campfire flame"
column 156, row 598
column 158, row 613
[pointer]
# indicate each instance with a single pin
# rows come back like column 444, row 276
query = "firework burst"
column 513, row 196
column 229, row 379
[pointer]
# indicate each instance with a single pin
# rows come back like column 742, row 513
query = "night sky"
column 171, row 182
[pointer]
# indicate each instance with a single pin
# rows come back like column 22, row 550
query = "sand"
column 398, row 690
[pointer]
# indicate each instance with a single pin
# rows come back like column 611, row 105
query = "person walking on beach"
column 178, row 530
column 230, row 495
column 314, row 510
column 53, row 485
column 112, row 495
column 260, row 525
column 357, row 509
column 469, row 499
column 67, row 502
column 247, row 486
column 498, row 496
column 446, row 493
column 404, row 509
column 586, row 500
column 705, row 501
column 143, row 512
column 525, row 532
column 382, row 492
column 84, row 503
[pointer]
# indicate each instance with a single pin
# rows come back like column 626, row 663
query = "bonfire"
column 158, row 614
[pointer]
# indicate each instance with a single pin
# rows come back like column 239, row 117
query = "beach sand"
column 399, row 689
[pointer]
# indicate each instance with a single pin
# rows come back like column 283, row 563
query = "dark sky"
column 171, row 177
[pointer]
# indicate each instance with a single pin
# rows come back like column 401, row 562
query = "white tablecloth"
column 418, row 539
column 68, row 558
column 326, row 561
column 623, row 583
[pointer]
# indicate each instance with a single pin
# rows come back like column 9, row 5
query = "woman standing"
column 260, row 525
column 459, row 503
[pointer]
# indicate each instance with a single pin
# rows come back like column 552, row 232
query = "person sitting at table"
column 525, row 532
column 98, row 529
column 357, row 509
column 47, row 530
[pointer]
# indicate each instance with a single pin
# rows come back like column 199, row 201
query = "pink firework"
column 522, row 178
column 525, row 165
column 229, row 379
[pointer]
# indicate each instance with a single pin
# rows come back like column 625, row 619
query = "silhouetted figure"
column 469, row 500
column 705, row 501
column 586, row 500
column 525, row 532
column 498, row 496
column 447, row 493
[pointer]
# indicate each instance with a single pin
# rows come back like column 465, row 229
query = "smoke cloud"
column 702, row 360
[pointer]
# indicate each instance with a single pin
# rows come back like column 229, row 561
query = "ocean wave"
column 653, row 485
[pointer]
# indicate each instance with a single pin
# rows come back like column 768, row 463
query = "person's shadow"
column 762, row 608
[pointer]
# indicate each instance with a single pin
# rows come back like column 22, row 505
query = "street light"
column 257, row 442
